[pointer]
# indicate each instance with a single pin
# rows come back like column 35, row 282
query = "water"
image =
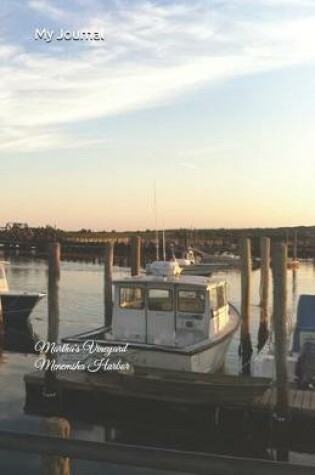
column 81, row 308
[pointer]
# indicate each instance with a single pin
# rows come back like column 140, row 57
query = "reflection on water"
column 81, row 308
column 20, row 340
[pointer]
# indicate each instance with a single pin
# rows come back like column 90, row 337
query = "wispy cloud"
column 47, row 9
column 211, row 149
column 153, row 54
column 36, row 139
column 191, row 166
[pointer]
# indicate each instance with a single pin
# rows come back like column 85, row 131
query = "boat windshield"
column 192, row 301
column 160, row 299
column 131, row 298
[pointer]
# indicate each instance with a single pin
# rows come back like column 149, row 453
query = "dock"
column 174, row 387
column 301, row 402
column 161, row 385
column 173, row 461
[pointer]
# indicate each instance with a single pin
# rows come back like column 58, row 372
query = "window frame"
column 171, row 299
column 134, row 287
column 199, row 312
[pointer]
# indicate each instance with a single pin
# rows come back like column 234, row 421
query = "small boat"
column 188, row 258
column 166, row 267
column 169, row 322
column 301, row 357
column 293, row 264
column 16, row 305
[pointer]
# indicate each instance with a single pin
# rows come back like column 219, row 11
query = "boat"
column 301, row 357
column 166, row 267
column 16, row 305
column 188, row 258
column 173, row 322
column 293, row 264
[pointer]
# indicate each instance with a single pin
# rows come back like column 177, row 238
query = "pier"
column 208, row 391
column 147, row 457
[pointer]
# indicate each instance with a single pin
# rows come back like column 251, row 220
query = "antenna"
column 164, row 252
column 156, row 223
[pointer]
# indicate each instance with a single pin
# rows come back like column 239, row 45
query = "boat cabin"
column 176, row 311
column 305, row 322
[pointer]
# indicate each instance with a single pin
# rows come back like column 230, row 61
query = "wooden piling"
column 281, row 412
column 53, row 311
column 294, row 250
column 1, row 330
column 135, row 255
column 55, row 465
column 245, row 349
column 108, row 282
column 1, row 315
column 263, row 332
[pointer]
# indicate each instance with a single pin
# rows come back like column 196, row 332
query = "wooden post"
column 281, row 413
column 135, row 255
column 294, row 252
column 53, row 312
column 108, row 282
column 245, row 349
column 1, row 330
column 263, row 332
column 54, row 465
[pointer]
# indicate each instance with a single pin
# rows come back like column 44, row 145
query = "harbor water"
column 82, row 308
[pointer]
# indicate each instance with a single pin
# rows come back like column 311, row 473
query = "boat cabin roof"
column 149, row 280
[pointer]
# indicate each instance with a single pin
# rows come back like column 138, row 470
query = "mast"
column 156, row 228
column 164, row 251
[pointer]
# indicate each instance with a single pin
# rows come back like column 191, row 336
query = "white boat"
column 166, row 268
column 301, row 356
column 169, row 322
column 188, row 258
column 16, row 305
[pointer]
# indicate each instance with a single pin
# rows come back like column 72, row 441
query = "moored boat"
column 16, row 305
column 169, row 321
column 301, row 356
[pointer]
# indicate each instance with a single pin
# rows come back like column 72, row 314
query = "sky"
column 209, row 105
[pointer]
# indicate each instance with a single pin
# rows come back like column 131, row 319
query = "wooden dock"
column 189, row 389
column 301, row 402
column 173, row 461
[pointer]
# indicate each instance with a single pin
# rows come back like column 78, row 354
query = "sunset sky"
column 211, row 102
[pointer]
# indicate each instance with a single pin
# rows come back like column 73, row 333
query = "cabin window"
column 217, row 297
column 213, row 299
column 131, row 298
column 160, row 299
column 221, row 296
column 192, row 301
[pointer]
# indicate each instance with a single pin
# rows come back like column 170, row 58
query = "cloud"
column 47, row 9
column 191, row 166
column 153, row 54
column 36, row 139
column 211, row 149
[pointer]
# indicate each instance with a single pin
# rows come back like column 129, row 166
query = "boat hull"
column 204, row 361
column 202, row 357
column 17, row 307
